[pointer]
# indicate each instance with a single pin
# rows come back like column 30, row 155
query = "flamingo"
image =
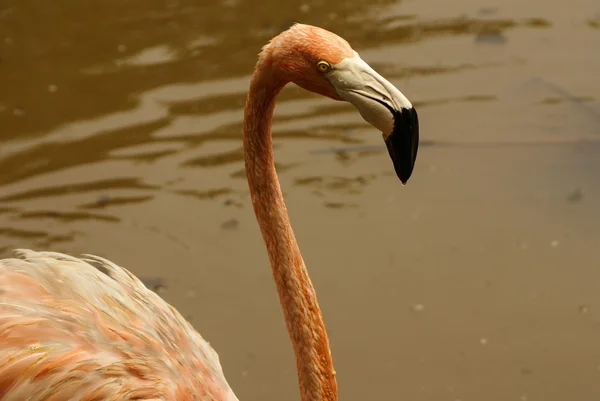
column 87, row 329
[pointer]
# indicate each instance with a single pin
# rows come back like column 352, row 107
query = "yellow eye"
column 324, row 66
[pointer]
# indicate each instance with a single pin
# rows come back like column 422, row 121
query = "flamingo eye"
column 324, row 66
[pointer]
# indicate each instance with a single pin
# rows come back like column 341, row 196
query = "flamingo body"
column 87, row 329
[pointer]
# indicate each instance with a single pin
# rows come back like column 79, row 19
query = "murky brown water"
column 120, row 136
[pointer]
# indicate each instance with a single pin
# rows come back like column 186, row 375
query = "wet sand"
column 479, row 280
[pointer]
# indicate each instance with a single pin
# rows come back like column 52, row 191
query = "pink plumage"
column 87, row 329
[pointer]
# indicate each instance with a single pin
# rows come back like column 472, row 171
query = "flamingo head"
column 322, row 62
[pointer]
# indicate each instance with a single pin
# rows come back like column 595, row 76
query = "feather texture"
column 87, row 329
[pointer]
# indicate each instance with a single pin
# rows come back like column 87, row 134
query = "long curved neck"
column 316, row 376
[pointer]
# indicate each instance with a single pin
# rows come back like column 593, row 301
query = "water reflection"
column 76, row 188
column 91, row 65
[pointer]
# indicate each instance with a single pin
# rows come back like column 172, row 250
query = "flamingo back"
column 87, row 329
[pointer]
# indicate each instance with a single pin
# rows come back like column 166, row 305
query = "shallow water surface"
column 479, row 280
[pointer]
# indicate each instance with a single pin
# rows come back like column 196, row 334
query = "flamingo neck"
column 316, row 376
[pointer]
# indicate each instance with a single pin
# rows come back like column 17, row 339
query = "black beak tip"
column 403, row 142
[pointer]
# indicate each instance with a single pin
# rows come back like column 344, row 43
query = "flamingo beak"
column 382, row 105
column 403, row 142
